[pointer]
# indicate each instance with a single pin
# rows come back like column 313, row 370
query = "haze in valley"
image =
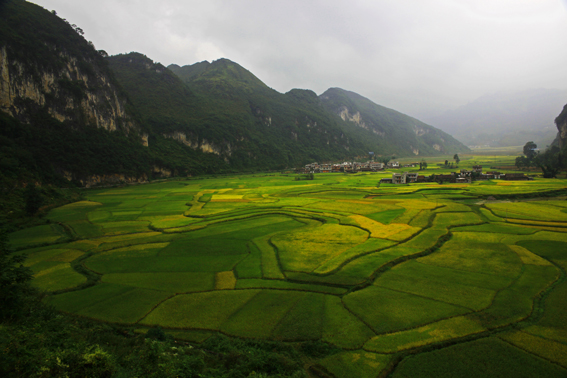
column 420, row 57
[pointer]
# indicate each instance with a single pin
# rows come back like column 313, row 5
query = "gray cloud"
column 416, row 56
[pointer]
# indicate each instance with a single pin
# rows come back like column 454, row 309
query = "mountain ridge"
column 418, row 138
column 133, row 118
column 505, row 118
column 368, row 141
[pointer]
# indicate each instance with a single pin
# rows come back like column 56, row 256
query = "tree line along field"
column 411, row 280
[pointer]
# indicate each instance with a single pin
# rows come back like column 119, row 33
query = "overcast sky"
column 419, row 57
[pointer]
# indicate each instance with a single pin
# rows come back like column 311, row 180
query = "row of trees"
column 551, row 161
column 457, row 160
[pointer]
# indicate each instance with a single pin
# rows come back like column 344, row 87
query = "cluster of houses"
column 464, row 176
column 354, row 166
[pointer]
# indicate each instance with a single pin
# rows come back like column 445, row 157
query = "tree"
column 456, row 158
column 446, row 163
column 422, row 165
column 14, row 278
column 33, row 199
column 521, row 161
column 530, row 150
column 550, row 162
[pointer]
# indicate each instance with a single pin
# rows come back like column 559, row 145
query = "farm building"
column 515, row 176
column 393, row 164
column 404, row 178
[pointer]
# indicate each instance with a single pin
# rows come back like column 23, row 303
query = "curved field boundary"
column 270, row 264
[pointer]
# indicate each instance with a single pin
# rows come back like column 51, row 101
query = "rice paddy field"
column 414, row 280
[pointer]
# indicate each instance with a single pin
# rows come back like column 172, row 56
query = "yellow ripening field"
column 225, row 280
column 379, row 274
column 377, row 229
column 528, row 257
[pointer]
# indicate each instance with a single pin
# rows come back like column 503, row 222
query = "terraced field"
column 402, row 278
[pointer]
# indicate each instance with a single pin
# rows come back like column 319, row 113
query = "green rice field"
column 418, row 280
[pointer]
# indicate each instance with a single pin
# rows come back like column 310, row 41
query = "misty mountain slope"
column 70, row 112
column 506, row 118
column 390, row 131
column 265, row 125
column 561, row 123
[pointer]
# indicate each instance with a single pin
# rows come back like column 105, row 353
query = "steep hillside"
column 63, row 115
column 561, row 123
column 505, row 119
column 61, row 112
column 187, row 72
column 236, row 116
column 71, row 113
column 319, row 125
column 390, row 131
column 46, row 63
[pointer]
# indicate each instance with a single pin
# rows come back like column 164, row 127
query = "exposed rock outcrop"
column 561, row 122
column 111, row 179
column 74, row 94
column 203, row 145
column 357, row 119
column 117, row 179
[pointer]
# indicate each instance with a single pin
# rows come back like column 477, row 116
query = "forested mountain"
column 371, row 126
column 225, row 110
column 505, row 118
column 65, row 117
column 391, row 132
column 71, row 112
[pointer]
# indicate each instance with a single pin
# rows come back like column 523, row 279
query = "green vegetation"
column 341, row 327
column 384, row 278
column 260, row 316
column 356, row 364
column 391, row 310
column 256, row 275
column 446, row 329
column 223, row 106
column 398, row 128
column 551, row 161
column 489, row 357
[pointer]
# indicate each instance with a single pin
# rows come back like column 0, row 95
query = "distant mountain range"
column 74, row 113
column 505, row 118
column 390, row 131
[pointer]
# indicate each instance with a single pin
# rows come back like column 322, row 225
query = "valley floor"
column 412, row 280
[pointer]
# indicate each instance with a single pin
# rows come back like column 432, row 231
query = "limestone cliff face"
column 357, row 119
column 101, row 180
column 561, row 122
column 117, row 179
column 203, row 145
column 78, row 93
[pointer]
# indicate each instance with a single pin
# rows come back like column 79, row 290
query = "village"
column 463, row 176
